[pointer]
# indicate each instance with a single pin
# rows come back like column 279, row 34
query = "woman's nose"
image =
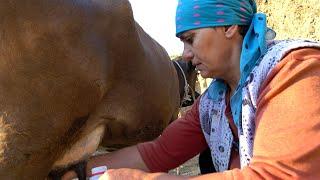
column 187, row 54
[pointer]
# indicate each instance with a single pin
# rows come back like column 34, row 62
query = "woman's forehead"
column 193, row 32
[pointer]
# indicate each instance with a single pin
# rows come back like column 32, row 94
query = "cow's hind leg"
column 74, row 158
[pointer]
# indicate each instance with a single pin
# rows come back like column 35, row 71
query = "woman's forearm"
column 128, row 157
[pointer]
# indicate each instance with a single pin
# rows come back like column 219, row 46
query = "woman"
column 260, row 117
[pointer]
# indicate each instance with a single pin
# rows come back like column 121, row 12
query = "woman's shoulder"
column 278, row 50
column 283, row 47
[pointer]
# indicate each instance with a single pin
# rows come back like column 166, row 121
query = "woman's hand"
column 135, row 174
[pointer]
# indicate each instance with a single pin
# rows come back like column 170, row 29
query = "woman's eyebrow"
column 184, row 36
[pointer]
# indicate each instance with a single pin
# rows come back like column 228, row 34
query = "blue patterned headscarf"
column 194, row 14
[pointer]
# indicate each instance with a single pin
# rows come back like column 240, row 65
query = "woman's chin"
column 204, row 74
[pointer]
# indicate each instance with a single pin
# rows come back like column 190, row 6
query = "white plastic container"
column 97, row 172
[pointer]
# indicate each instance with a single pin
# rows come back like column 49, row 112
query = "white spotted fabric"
column 213, row 121
column 216, row 130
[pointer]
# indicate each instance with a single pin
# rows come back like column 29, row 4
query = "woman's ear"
column 231, row 31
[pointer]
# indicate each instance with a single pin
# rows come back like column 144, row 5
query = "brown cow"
column 72, row 71
column 187, row 77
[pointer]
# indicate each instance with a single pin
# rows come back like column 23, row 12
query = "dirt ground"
column 189, row 168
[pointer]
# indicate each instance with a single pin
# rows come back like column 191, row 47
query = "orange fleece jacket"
column 287, row 136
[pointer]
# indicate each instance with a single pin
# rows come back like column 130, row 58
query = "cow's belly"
column 82, row 149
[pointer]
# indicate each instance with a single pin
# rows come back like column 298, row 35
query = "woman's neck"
column 233, row 84
column 233, row 76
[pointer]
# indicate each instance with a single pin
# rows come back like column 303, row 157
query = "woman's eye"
column 189, row 40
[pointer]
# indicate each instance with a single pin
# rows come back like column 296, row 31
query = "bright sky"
column 157, row 18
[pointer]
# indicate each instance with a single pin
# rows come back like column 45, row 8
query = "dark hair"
column 243, row 30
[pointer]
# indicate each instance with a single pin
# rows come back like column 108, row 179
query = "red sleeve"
column 180, row 141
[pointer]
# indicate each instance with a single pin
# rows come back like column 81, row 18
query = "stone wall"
column 292, row 18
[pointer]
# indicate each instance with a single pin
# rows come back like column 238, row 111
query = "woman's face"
column 210, row 50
